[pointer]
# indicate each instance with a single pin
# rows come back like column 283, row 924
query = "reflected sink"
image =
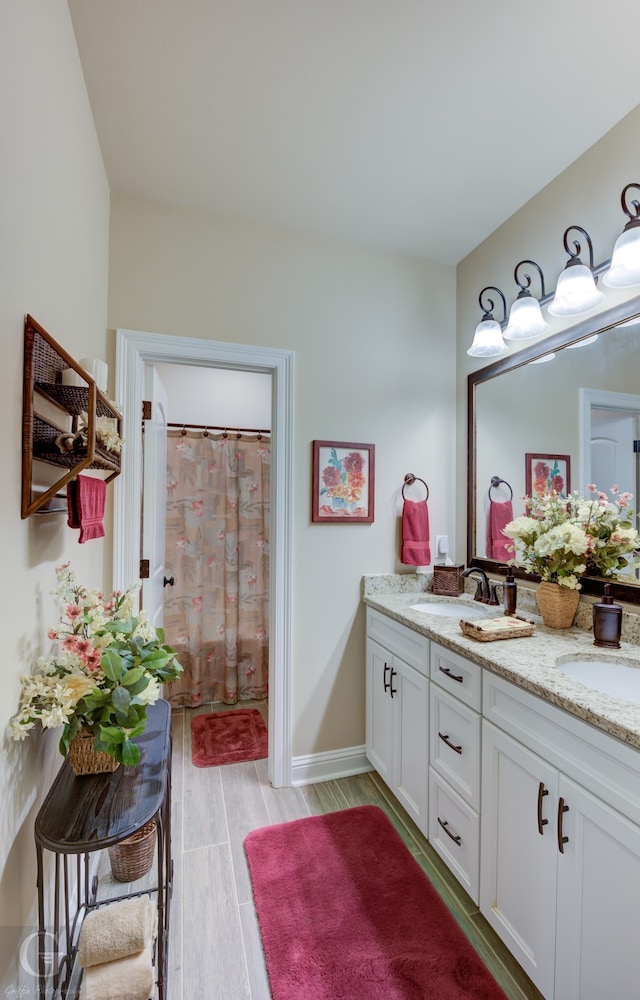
column 612, row 677
column 449, row 610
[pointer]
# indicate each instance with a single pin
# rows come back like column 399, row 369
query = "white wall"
column 586, row 194
column 217, row 396
column 375, row 362
column 54, row 205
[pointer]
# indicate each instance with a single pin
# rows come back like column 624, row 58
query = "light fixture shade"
column 487, row 340
column 625, row 260
column 576, row 292
column 543, row 360
column 525, row 319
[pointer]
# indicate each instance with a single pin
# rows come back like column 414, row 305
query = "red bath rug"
column 228, row 737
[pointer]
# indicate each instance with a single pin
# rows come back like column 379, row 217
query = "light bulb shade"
column 583, row 343
column 625, row 260
column 525, row 319
column 576, row 292
column 487, row 340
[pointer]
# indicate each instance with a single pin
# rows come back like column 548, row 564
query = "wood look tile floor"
column 214, row 945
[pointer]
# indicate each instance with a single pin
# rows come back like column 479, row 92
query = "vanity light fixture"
column 487, row 340
column 576, row 291
column 625, row 260
column 525, row 317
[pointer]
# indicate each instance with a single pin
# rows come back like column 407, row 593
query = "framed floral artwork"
column 343, row 482
column 544, row 473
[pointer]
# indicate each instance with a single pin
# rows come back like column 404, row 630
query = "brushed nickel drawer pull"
column 456, row 838
column 445, row 739
column 454, row 677
column 542, row 791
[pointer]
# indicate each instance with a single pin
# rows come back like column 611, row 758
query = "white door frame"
column 587, row 400
column 134, row 350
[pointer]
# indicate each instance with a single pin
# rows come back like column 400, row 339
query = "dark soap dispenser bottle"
column 509, row 594
column 607, row 621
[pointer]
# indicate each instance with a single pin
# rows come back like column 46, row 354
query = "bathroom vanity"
column 526, row 783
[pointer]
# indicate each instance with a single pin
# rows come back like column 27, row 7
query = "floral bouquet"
column 110, row 666
column 562, row 538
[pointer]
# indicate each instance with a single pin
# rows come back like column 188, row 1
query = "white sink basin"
column 612, row 677
column 450, row 610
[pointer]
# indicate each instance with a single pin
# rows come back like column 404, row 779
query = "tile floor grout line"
column 235, row 889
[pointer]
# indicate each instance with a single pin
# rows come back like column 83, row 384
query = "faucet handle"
column 493, row 592
column 479, row 594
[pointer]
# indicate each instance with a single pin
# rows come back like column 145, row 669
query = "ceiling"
column 405, row 125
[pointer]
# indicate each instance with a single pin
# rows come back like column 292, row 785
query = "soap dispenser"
column 607, row 621
column 509, row 593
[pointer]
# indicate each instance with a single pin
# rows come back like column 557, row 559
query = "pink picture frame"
column 343, row 483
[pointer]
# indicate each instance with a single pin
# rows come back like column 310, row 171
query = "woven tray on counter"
column 490, row 629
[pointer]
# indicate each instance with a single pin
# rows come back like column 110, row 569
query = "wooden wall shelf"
column 51, row 408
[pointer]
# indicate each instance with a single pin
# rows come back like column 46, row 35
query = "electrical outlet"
column 442, row 545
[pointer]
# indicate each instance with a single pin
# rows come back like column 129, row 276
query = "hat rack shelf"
column 52, row 409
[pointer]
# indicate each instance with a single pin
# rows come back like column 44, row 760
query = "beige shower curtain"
column 217, row 550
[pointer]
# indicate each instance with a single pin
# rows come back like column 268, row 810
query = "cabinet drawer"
column 410, row 646
column 602, row 764
column 455, row 745
column 456, row 674
column 454, row 833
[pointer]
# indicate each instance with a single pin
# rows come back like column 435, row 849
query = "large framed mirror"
column 577, row 405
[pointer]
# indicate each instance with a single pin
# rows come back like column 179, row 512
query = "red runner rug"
column 347, row 913
column 228, row 737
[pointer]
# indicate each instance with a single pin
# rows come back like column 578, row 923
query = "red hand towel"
column 85, row 504
column 498, row 545
column 415, row 534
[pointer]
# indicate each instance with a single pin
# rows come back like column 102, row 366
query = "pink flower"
column 52, row 634
column 198, row 507
column 197, row 604
column 73, row 611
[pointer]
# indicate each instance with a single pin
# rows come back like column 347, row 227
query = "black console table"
column 81, row 815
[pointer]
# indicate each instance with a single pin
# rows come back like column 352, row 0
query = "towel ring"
column 410, row 479
column 496, row 481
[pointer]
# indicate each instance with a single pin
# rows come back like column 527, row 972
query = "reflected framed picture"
column 343, row 484
column 544, row 473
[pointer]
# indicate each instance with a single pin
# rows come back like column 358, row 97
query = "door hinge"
column 146, row 409
column 636, row 447
column 144, row 569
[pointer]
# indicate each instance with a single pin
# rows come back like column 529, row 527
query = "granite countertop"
column 529, row 662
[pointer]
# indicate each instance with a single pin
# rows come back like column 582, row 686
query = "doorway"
column 134, row 351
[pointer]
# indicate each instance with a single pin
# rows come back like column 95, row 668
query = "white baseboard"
column 314, row 767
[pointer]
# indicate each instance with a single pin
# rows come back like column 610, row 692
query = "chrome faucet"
column 485, row 591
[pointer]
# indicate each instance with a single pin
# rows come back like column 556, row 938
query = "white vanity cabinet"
column 397, row 711
column 560, row 864
column 454, row 770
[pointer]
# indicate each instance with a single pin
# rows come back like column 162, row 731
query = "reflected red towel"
column 499, row 515
column 85, row 505
column 415, row 534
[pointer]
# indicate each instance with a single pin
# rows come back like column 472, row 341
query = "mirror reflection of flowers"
column 110, row 665
column 562, row 538
column 344, row 481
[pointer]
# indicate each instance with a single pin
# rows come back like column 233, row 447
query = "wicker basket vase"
column 557, row 605
column 85, row 760
column 132, row 858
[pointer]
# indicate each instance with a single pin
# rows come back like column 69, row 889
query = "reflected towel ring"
column 410, row 479
column 497, row 481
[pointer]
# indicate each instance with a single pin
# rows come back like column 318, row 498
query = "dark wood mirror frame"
column 599, row 323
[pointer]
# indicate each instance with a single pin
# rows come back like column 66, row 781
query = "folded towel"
column 498, row 545
column 86, row 498
column 127, row 979
column 117, row 930
column 415, row 534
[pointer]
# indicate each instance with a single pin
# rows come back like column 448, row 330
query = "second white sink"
column 445, row 609
column 612, row 677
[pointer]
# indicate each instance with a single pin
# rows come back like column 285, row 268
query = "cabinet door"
column 379, row 710
column 519, row 853
column 598, row 891
column 411, row 705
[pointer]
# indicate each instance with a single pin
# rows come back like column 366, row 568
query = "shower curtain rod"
column 225, row 430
